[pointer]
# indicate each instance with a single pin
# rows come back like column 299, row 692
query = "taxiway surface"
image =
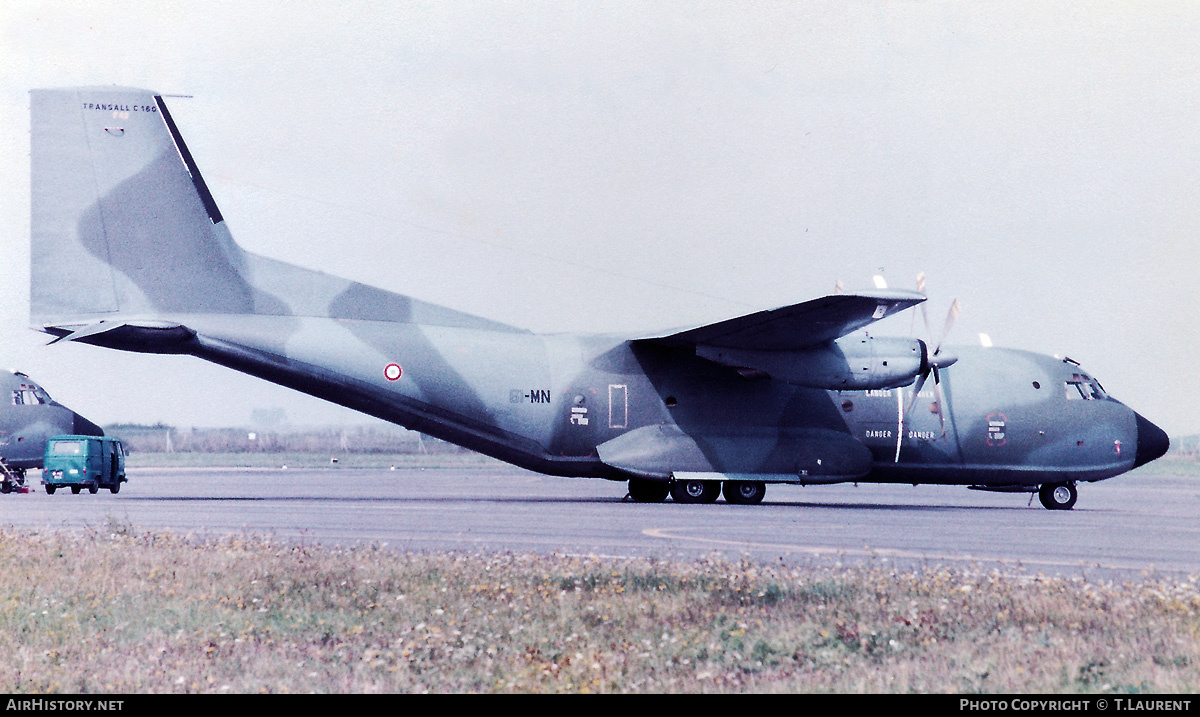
column 1142, row 522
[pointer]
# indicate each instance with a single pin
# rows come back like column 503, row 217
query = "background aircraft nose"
column 1152, row 441
column 83, row 427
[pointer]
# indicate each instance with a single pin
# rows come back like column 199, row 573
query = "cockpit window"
column 1083, row 387
column 26, row 396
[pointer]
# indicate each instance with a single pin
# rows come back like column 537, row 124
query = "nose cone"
column 1152, row 441
column 83, row 427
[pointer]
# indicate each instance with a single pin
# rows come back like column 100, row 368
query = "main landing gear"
column 1058, row 496
column 744, row 492
column 695, row 491
column 738, row 492
column 648, row 491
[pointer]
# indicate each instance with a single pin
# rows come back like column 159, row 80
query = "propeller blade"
column 951, row 317
column 916, row 392
column 924, row 311
column 932, row 363
column 941, row 401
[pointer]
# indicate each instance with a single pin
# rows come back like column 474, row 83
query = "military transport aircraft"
column 130, row 251
column 28, row 416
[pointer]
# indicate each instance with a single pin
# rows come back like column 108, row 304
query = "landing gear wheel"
column 1058, row 496
column 744, row 492
column 695, row 491
column 645, row 491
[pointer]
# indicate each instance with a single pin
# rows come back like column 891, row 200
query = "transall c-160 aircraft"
column 130, row 251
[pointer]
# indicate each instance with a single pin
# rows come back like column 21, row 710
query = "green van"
column 79, row 462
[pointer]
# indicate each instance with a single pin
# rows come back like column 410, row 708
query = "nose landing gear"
column 1058, row 496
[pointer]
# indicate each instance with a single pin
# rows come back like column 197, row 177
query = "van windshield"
column 67, row 448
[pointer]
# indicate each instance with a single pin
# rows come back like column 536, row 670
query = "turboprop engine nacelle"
column 851, row 363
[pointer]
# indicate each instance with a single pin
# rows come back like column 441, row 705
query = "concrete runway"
column 1126, row 525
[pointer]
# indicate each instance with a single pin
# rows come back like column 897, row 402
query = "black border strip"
column 210, row 204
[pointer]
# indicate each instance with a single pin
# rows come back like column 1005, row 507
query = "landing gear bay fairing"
column 130, row 252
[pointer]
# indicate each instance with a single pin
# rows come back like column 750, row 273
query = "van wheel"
column 115, row 487
column 75, row 489
column 93, row 488
column 51, row 488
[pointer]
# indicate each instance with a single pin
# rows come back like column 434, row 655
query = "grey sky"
column 635, row 166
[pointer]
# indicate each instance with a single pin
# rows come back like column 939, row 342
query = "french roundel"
column 392, row 371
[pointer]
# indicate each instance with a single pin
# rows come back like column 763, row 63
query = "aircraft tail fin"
column 122, row 221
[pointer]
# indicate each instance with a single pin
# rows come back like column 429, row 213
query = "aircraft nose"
column 1152, row 441
column 83, row 427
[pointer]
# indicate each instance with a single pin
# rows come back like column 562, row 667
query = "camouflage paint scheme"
column 130, row 251
column 28, row 417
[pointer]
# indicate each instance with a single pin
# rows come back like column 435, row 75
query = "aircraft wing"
column 797, row 326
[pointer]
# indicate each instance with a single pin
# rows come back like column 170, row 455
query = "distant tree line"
column 162, row 438
column 1186, row 446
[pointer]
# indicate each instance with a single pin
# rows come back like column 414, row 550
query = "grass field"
column 124, row 611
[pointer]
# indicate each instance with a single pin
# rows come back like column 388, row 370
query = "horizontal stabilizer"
column 797, row 326
column 141, row 336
